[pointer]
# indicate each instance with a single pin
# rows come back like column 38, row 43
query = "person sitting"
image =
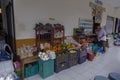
column 101, row 36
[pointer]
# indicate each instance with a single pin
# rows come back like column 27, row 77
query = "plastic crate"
column 82, row 59
column 82, row 52
column 61, row 66
column 18, row 72
column 27, row 72
column 46, row 68
column 95, row 47
column 31, row 69
column 72, row 58
column 34, row 69
column 60, row 58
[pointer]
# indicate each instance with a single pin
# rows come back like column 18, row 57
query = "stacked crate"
column 18, row 70
column 31, row 69
column 61, row 61
column 73, row 57
column 82, row 55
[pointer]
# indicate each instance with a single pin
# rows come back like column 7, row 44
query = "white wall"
column 67, row 12
column 29, row 12
column 117, row 11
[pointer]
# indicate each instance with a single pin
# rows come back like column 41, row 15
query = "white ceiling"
column 114, row 3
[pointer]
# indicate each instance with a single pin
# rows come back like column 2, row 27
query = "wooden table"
column 27, row 61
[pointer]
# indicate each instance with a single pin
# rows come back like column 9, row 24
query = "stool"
column 100, row 78
column 114, row 76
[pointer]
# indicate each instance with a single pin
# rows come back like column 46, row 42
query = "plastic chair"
column 100, row 78
column 114, row 76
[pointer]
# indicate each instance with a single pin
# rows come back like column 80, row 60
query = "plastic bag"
column 4, row 55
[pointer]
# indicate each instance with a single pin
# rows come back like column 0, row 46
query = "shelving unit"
column 48, row 33
column 84, row 31
column 44, row 34
column 59, row 33
column 87, row 24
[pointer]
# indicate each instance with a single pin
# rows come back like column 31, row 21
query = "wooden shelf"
column 27, row 61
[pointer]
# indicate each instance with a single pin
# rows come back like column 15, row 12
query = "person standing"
column 101, row 36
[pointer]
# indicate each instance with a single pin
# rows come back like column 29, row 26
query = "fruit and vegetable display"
column 58, row 31
column 61, row 56
column 73, row 57
column 47, row 55
column 83, row 41
column 43, row 56
column 58, row 47
column 72, row 43
column 26, row 51
column 72, row 51
column 51, row 54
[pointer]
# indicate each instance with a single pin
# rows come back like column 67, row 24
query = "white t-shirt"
column 100, row 33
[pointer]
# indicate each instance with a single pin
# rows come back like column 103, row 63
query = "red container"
column 91, row 56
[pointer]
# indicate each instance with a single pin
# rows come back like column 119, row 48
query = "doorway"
column 109, row 25
column 8, row 22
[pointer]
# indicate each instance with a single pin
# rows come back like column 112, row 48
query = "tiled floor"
column 102, row 65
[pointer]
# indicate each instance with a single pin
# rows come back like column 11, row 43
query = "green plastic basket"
column 31, row 70
column 94, row 47
column 46, row 68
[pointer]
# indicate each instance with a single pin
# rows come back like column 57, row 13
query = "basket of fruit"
column 61, row 61
column 61, row 56
column 73, row 57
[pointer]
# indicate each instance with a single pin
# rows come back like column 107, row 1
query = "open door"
column 109, row 25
